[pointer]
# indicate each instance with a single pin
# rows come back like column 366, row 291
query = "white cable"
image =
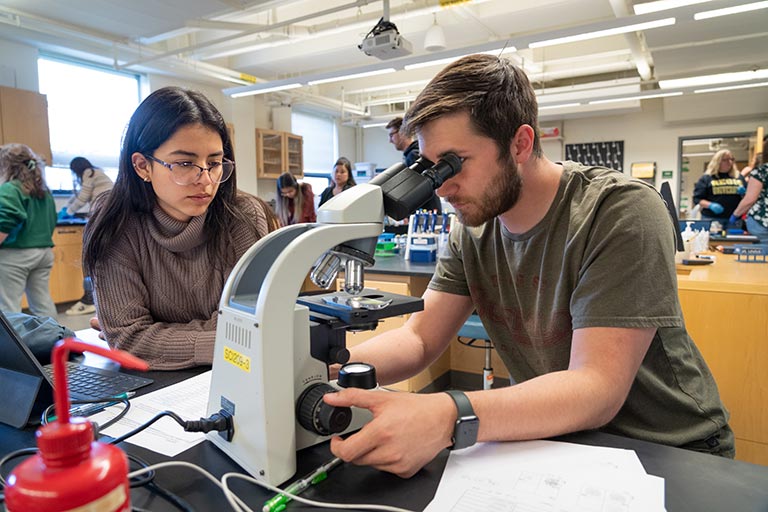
column 306, row 501
column 238, row 505
column 239, row 502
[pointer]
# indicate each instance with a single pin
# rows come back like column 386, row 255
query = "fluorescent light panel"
column 374, row 125
column 715, row 13
column 663, row 5
column 448, row 60
column 266, row 90
column 564, row 105
column 632, row 98
column 604, row 33
column 720, row 78
column 353, row 75
column 731, row 87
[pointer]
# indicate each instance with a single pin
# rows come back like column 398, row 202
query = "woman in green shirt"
column 27, row 221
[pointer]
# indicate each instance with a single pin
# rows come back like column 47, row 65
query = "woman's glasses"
column 187, row 173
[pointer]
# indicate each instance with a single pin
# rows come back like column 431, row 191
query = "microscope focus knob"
column 317, row 416
column 357, row 375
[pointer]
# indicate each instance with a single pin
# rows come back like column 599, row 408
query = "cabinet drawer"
column 68, row 235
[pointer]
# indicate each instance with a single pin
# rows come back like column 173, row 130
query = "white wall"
column 648, row 136
column 18, row 66
column 377, row 148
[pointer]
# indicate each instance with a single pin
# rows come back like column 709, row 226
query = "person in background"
column 91, row 182
column 410, row 148
column 755, row 201
column 341, row 181
column 295, row 201
column 720, row 188
column 537, row 255
column 162, row 244
column 27, row 221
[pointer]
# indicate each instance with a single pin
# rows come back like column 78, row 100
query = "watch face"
column 465, row 433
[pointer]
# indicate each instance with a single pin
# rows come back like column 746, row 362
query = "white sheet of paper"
column 188, row 399
column 546, row 476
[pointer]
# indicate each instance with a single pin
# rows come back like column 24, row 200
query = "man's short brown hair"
column 395, row 123
column 497, row 95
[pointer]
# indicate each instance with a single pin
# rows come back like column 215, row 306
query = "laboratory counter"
column 725, row 307
column 693, row 481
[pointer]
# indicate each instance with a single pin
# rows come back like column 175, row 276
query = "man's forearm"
column 397, row 355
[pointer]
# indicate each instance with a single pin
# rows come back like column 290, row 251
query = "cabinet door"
column 294, row 157
column 67, row 273
column 24, row 119
column 269, row 154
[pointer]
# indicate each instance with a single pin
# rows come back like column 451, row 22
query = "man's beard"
column 497, row 199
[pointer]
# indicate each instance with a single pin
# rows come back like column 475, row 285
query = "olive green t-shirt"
column 603, row 256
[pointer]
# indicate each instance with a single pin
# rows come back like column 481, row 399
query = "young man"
column 402, row 141
column 571, row 269
column 410, row 148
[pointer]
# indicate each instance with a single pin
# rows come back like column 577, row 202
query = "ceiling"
column 235, row 43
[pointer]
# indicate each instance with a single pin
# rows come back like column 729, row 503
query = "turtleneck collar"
column 175, row 235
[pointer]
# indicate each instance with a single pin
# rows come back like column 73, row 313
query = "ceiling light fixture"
column 665, row 22
column 265, row 90
column 434, row 39
column 736, row 9
column 374, row 125
column 720, row 78
column 663, row 5
column 563, row 105
column 639, row 97
column 351, row 76
column 731, row 87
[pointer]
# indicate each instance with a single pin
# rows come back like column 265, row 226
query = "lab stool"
column 474, row 330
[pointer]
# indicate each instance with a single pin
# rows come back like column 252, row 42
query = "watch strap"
column 467, row 423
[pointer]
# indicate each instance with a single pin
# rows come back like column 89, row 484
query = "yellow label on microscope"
column 237, row 359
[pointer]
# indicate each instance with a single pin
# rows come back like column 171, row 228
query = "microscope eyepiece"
column 410, row 187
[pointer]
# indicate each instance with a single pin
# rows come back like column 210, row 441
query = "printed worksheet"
column 188, row 399
column 546, row 476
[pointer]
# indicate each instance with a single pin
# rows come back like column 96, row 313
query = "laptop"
column 27, row 386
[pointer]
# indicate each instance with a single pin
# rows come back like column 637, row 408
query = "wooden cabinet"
column 67, row 275
column 24, row 119
column 278, row 152
column 403, row 285
column 725, row 309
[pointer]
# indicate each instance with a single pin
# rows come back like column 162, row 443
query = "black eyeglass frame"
column 201, row 169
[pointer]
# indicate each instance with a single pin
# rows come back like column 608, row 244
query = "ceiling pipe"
column 64, row 30
column 257, row 29
column 635, row 42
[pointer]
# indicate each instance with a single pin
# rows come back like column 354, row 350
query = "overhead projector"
column 387, row 44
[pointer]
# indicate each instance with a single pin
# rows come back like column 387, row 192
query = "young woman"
column 161, row 245
column 295, row 201
column 91, row 182
column 755, row 202
column 342, row 180
column 27, row 221
column 720, row 189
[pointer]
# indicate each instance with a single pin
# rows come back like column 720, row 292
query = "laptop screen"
column 25, row 384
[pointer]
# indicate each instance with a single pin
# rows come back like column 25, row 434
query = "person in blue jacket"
column 27, row 221
column 720, row 189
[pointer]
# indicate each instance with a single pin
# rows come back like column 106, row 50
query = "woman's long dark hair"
column 158, row 117
column 79, row 165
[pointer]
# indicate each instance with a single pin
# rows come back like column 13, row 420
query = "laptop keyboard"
column 86, row 382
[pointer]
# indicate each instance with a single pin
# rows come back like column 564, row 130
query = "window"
column 88, row 110
column 320, row 141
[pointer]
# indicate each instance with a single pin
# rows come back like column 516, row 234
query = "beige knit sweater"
column 157, row 293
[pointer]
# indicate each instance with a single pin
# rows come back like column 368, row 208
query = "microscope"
column 273, row 348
